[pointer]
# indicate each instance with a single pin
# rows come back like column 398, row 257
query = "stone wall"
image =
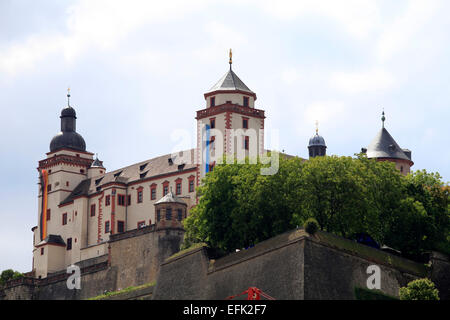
column 133, row 259
column 293, row 265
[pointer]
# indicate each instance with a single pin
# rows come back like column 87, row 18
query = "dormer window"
column 246, row 100
column 213, row 101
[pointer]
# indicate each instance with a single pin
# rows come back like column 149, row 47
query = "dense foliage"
column 420, row 289
column 239, row 207
column 9, row 274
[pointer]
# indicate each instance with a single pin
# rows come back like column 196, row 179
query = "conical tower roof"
column 384, row 146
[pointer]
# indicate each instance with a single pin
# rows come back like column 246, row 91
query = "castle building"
column 81, row 203
column 384, row 148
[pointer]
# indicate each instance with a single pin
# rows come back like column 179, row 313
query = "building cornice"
column 229, row 107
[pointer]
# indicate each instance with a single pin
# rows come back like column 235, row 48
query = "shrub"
column 311, row 225
column 420, row 289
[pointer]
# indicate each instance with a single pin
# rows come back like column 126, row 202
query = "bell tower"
column 229, row 124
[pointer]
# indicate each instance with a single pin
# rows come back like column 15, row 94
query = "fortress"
column 120, row 226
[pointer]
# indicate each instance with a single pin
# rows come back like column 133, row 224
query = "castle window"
column 121, row 199
column 42, row 251
column 69, row 244
column 158, row 215
column 129, row 199
column 401, row 169
column 92, row 210
column 179, row 214
column 246, row 101
column 64, row 219
column 139, row 196
column 140, row 224
column 120, row 226
column 107, row 200
column 168, row 213
column 48, row 214
column 213, row 101
column 212, row 123
column 153, row 192
column 245, row 123
column 49, row 188
column 178, row 187
column 191, row 185
column 165, row 188
column 107, row 227
column 81, row 170
column 246, row 143
column 67, row 183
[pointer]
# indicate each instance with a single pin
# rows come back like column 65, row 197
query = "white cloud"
column 359, row 82
column 326, row 112
column 99, row 24
column 397, row 36
column 357, row 17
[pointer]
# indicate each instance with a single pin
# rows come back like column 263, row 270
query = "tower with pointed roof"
column 229, row 124
column 384, row 148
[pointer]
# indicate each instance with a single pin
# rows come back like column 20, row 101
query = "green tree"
column 420, row 289
column 421, row 222
column 9, row 274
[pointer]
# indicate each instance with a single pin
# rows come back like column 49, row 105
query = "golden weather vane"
column 68, row 96
column 231, row 58
column 317, row 127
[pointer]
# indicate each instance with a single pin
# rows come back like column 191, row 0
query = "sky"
column 138, row 70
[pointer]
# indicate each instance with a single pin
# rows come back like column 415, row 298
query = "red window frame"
column 246, row 143
column 246, row 102
column 165, row 188
column 93, row 210
column 107, row 200
column 107, row 224
column 139, row 224
column 212, row 101
column 244, row 123
column 153, row 191
column 121, row 200
column 191, row 183
column 120, row 222
column 212, row 123
column 178, row 183
column 140, row 195
column 48, row 214
column 64, row 218
column 69, row 244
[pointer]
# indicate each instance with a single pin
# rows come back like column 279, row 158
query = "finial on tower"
column 68, row 97
column 231, row 58
column 317, row 127
column 383, row 118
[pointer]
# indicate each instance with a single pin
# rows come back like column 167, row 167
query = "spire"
column 68, row 97
column 383, row 118
column 317, row 127
column 231, row 58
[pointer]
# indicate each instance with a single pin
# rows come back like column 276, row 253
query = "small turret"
column 317, row 146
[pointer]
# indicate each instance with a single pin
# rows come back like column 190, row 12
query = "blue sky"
column 138, row 70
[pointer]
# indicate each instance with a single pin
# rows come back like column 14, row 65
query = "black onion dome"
column 68, row 112
column 68, row 137
column 317, row 140
column 69, row 140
